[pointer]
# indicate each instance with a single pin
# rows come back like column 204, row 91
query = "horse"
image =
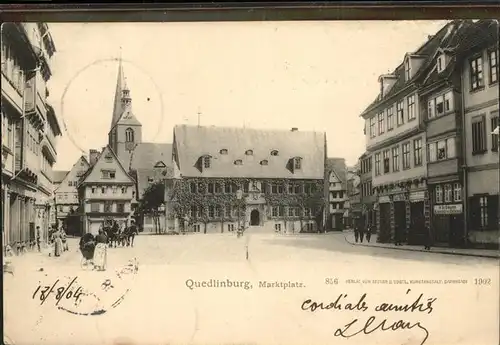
column 130, row 233
column 112, row 233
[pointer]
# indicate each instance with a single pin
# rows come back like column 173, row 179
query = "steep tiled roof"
column 59, row 175
column 193, row 142
column 427, row 50
column 146, row 155
column 338, row 166
column 126, row 175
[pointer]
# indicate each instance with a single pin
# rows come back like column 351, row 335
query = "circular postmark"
column 65, row 122
column 100, row 294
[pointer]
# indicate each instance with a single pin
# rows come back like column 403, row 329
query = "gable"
column 77, row 171
column 108, row 163
column 160, row 164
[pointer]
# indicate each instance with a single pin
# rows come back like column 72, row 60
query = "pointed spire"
column 122, row 94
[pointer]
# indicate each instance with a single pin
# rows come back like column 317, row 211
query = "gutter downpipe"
column 464, row 160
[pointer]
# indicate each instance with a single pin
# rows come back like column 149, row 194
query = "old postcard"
column 250, row 182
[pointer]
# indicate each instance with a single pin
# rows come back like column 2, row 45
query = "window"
column 120, row 207
column 196, row 228
column 439, row 194
column 417, row 152
column 274, row 211
column 400, row 113
column 129, row 135
column 103, row 190
column 440, row 63
column 211, row 211
column 115, row 189
column 211, row 188
column 223, row 152
column 249, row 152
column 493, row 60
column 264, row 162
column 494, row 137
column 70, row 183
column 407, row 70
column 411, row 108
column 297, row 163
column 476, row 73
column 381, row 126
column 377, row 164
column 227, row 211
column 230, row 188
column 448, row 193
column 94, row 207
column 478, row 134
column 372, row 127
column 230, row 227
column 124, row 190
column 206, row 162
column 93, row 190
column 448, row 101
column 192, row 187
column 442, row 149
column 218, row 188
column 457, row 192
column 108, row 174
column 440, row 105
column 390, row 119
column 386, row 161
column 406, row 156
column 431, row 106
column 395, row 158
column 274, row 152
column 238, row 162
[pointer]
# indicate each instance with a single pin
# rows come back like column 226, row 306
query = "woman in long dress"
column 58, row 244
column 100, row 253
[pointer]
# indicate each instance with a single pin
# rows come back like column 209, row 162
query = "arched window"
column 274, row 153
column 129, row 135
column 249, row 152
column 264, row 162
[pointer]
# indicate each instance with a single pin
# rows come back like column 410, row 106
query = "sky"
column 314, row 75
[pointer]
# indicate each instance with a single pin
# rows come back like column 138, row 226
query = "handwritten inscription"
column 355, row 327
column 62, row 292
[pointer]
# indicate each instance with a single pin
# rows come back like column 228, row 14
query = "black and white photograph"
column 250, row 182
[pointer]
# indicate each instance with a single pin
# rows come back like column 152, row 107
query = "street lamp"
column 162, row 210
column 239, row 196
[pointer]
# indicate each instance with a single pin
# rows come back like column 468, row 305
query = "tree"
column 153, row 198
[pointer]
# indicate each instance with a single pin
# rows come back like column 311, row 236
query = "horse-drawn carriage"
column 119, row 236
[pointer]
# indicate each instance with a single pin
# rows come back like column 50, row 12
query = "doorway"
column 254, row 218
column 400, row 221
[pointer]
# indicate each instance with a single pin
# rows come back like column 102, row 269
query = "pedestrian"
column 356, row 233
column 428, row 238
column 101, row 253
column 38, row 238
column 131, row 232
column 56, row 237
column 64, row 240
column 361, row 231
column 369, row 232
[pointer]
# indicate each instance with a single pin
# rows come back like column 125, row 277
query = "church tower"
column 125, row 131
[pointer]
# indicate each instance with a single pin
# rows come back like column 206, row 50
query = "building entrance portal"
column 255, row 218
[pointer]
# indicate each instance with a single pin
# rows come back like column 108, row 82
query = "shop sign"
column 384, row 199
column 448, row 209
column 417, row 196
column 399, row 197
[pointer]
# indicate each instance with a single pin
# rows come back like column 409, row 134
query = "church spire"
column 122, row 94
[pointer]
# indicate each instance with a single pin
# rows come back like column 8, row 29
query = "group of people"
column 94, row 248
column 360, row 231
column 58, row 239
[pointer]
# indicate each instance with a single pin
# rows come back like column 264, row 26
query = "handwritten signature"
column 349, row 330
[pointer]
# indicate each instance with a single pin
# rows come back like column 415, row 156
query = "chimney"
column 93, row 155
column 294, row 129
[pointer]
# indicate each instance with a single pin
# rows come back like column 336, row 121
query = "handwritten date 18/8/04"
column 61, row 292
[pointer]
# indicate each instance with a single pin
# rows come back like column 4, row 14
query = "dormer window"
column 407, row 69
column 274, row 152
column 207, row 161
column 108, row 158
column 440, row 63
column 297, row 163
column 223, row 152
column 238, row 162
column 249, row 152
column 264, row 162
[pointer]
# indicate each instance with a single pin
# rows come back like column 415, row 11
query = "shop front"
column 448, row 223
column 417, row 229
column 384, row 218
column 399, row 201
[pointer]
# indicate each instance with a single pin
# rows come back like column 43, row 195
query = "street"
column 172, row 298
